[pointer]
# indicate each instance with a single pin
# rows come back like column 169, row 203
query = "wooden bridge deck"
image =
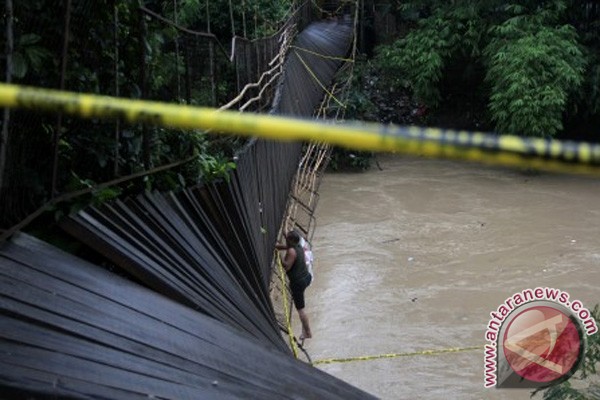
column 200, row 324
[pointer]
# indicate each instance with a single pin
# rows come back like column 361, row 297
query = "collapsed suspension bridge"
column 195, row 318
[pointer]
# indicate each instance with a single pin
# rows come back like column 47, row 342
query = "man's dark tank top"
column 298, row 270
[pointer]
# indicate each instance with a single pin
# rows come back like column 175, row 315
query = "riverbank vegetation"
column 132, row 49
column 519, row 67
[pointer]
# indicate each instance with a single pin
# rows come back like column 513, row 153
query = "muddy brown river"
column 415, row 257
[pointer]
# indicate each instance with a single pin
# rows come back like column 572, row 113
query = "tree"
column 534, row 66
column 250, row 18
column 532, row 57
column 114, row 48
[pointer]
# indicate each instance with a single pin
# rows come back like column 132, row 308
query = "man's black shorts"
column 297, row 288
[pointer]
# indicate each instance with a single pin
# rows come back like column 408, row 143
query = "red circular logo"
column 543, row 344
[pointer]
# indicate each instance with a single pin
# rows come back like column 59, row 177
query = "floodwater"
column 416, row 256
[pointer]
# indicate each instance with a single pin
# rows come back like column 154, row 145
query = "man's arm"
column 289, row 258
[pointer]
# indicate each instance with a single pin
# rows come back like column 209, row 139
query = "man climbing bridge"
column 299, row 276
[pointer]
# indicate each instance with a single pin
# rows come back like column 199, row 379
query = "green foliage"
column 94, row 198
column 215, row 167
column 162, row 66
column 114, row 49
column 533, row 68
column 536, row 68
column 262, row 17
column 588, row 98
column 358, row 104
column 564, row 391
column 591, row 362
column 342, row 159
column 205, row 168
column 418, row 60
column 174, row 145
column 29, row 55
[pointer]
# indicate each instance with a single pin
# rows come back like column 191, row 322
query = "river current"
column 416, row 256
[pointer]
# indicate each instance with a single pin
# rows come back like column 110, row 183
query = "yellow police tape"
column 288, row 318
column 395, row 355
column 550, row 155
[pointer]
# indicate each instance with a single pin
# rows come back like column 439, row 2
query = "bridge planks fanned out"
column 202, row 326
column 72, row 329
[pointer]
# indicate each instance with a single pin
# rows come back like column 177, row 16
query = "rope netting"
column 136, row 52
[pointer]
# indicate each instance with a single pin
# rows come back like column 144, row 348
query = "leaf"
column 28, row 39
column 19, row 65
column 106, row 194
column 37, row 56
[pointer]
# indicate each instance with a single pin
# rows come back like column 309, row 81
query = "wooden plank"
column 70, row 329
column 67, row 367
column 60, row 315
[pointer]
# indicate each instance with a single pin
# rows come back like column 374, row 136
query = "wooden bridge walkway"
column 194, row 319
